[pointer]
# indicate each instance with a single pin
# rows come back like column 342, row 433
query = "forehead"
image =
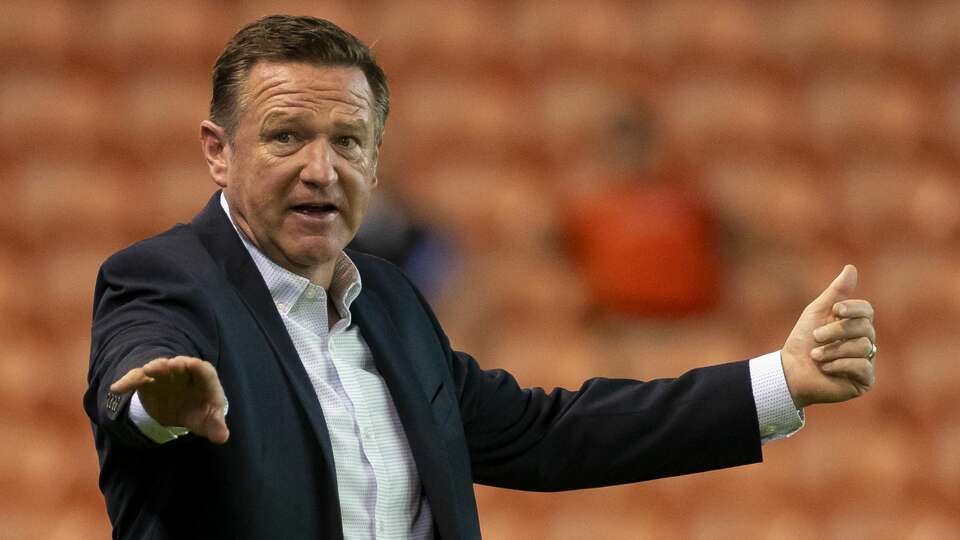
column 295, row 86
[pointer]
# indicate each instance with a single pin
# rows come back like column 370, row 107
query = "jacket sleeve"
column 608, row 432
column 146, row 305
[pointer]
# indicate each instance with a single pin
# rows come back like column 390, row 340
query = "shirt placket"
column 330, row 373
column 352, row 375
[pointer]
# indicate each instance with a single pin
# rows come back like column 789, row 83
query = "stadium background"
column 813, row 133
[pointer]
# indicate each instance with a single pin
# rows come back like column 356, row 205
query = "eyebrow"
column 277, row 117
column 272, row 118
column 353, row 126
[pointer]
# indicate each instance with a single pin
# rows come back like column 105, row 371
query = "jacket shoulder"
column 177, row 245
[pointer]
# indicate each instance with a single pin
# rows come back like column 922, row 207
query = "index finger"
column 853, row 309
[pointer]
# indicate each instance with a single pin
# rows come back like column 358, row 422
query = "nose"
column 319, row 167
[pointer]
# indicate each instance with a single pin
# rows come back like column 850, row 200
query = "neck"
column 321, row 275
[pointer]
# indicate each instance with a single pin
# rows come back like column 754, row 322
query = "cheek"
column 359, row 201
column 264, row 209
column 268, row 188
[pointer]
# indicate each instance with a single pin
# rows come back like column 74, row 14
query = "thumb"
column 219, row 433
column 214, row 428
column 841, row 289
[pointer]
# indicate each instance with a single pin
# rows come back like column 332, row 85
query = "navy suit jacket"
column 195, row 291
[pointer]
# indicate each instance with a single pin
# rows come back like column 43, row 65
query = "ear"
column 213, row 141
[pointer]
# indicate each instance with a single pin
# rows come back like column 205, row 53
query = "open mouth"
column 315, row 210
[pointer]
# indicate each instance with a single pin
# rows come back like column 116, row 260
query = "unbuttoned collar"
column 287, row 288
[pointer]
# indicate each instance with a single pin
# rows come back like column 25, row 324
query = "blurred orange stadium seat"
column 773, row 198
column 707, row 112
column 929, row 35
column 146, row 35
column 50, row 110
column 35, row 31
column 854, row 108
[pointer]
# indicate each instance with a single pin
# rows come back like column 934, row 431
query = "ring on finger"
column 873, row 351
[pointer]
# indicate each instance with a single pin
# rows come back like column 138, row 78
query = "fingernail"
column 818, row 335
column 840, row 309
column 817, row 353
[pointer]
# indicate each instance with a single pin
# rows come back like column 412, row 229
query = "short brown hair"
column 291, row 39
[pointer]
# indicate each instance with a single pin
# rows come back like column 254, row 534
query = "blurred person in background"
column 349, row 413
column 390, row 232
column 641, row 233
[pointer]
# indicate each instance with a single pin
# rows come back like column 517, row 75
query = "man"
column 349, row 414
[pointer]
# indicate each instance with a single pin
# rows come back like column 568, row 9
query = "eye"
column 346, row 141
column 283, row 137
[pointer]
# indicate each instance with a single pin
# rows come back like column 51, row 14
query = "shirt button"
column 380, row 528
column 280, row 306
column 311, row 292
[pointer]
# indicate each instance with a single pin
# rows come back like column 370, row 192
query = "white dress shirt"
column 379, row 487
column 377, row 481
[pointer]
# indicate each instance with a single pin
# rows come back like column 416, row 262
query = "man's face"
column 301, row 166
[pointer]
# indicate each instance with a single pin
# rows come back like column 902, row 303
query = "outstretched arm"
column 616, row 431
column 148, row 306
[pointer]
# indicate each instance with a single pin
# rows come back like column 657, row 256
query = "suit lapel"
column 411, row 389
column 221, row 240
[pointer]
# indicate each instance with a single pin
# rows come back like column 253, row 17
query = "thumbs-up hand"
column 829, row 355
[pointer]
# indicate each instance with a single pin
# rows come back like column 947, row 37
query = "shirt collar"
column 286, row 287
